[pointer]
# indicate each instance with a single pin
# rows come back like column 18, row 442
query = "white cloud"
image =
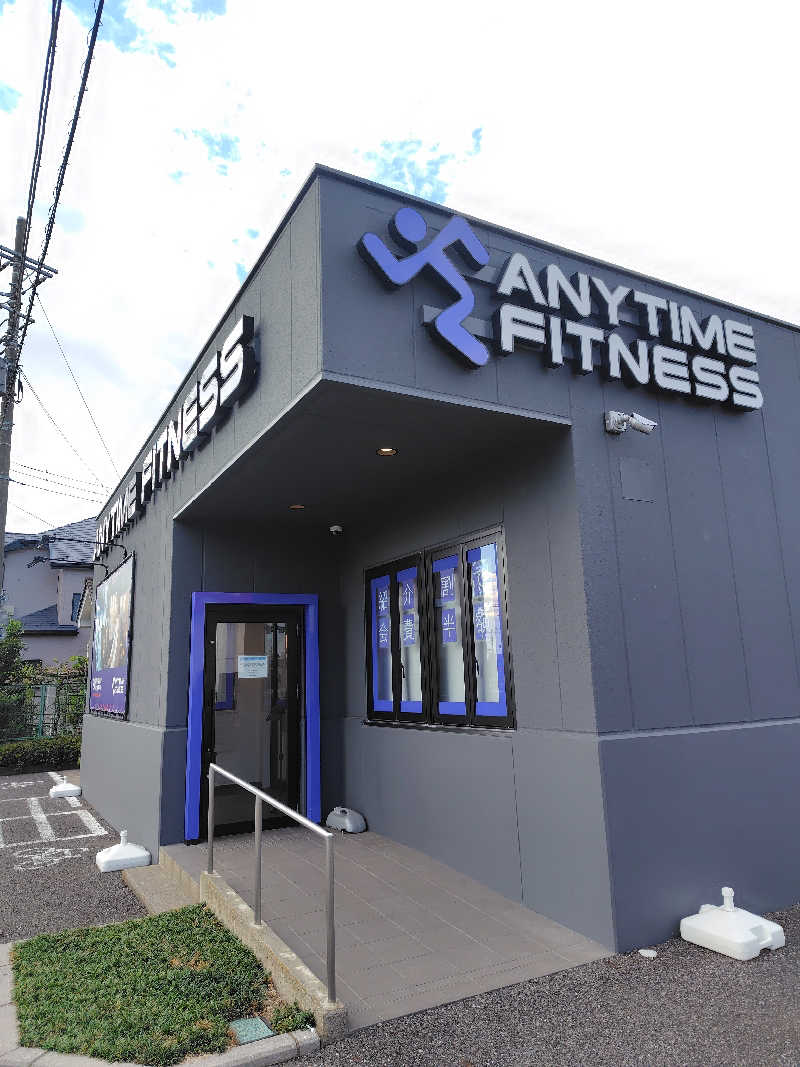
column 656, row 138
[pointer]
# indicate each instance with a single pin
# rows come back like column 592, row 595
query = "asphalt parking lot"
column 48, row 877
column 686, row 1008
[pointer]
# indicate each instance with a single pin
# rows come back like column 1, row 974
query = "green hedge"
column 40, row 753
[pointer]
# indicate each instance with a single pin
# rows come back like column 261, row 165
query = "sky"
column 659, row 137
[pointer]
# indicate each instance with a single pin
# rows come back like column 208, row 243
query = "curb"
column 262, row 1053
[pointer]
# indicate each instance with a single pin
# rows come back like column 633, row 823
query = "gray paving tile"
column 393, row 950
column 374, row 930
column 425, row 969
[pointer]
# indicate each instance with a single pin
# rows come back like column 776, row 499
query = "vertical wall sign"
column 111, row 641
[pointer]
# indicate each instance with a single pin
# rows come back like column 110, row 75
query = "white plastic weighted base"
column 119, row 857
column 65, row 789
column 732, row 931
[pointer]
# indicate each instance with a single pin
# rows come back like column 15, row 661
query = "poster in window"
column 111, row 642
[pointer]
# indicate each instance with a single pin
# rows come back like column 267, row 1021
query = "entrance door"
column 251, row 711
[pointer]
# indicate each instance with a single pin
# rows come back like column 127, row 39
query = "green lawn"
column 148, row 990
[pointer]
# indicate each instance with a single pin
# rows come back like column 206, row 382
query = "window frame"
column 423, row 560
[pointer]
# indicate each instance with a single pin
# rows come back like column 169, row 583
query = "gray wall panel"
column 691, row 811
column 562, row 831
column 304, row 238
column 758, row 569
column 704, row 565
column 121, row 776
column 450, row 795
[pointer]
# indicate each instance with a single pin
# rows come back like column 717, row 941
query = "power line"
column 65, row 485
column 44, row 102
column 42, row 489
column 51, row 219
column 38, row 399
column 31, row 515
column 80, row 391
column 56, row 474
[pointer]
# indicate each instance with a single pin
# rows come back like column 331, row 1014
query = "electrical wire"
column 80, row 391
column 42, row 489
column 44, row 103
column 51, row 219
column 38, row 399
column 31, row 515
column 102, row 497
column 56, row 474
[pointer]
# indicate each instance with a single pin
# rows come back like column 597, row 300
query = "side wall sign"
column 632, row 335
column 223, row 380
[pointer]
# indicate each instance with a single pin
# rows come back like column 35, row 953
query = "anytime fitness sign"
column 225, row 377
column 713, row 360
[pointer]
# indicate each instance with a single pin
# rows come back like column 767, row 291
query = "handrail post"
column 210, row 866
column 257, row 889
column 330, row 955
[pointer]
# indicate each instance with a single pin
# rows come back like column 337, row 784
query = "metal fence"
column 46, row 709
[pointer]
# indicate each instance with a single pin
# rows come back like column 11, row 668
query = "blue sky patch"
column 70, row 219
column 252, row 233
column 178, row 175
column 285, row 172
column 209, row 8
column 477, row 137
column 122, row 31
column 241, row 273
column 9, row 98
column 223, row 146
column 407, row 166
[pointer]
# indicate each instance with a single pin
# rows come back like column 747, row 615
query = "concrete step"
column 156, row 889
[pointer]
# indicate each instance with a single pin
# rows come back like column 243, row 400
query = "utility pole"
column 9, row 368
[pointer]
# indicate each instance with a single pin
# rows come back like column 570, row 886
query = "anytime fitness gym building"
column 560, row 659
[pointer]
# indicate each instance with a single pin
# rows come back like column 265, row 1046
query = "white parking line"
column 46, row 831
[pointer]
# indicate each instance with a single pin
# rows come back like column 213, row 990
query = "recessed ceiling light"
column 386, row 451
column 296, row 507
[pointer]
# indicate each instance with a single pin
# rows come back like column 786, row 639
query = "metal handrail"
column 330, row 955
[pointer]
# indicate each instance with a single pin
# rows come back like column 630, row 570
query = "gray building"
column 392, row 551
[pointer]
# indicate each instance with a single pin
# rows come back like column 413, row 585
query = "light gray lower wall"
column 121, row 775
column 690, row 811
column 562, row 830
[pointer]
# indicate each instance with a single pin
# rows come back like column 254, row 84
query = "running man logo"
column 408, row 228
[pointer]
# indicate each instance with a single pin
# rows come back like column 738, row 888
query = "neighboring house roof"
column 45, row 621
column 69, row 546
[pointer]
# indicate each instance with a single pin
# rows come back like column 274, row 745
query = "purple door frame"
column 309, row 602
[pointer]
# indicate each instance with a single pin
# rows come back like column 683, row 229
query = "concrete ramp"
column 411, row 933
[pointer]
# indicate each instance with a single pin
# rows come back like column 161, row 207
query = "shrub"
column 40, row 753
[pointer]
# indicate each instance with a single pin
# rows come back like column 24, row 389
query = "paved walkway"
column 48, row 877
column 411, row 933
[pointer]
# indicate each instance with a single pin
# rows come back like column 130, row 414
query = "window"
column 436, row 637
column 76, row 603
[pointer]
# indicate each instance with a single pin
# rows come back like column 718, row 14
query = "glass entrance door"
column 251, row 719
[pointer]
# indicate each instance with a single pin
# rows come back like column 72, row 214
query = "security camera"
column 335, row 530
column 640, row 423
column 618, row 422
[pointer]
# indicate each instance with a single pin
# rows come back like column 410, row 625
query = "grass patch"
column 148, row 990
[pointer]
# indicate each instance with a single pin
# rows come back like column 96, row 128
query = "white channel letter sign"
column 632, row 335
column 223, row 379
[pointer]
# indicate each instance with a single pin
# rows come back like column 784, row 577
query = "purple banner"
column 447, row 584
column 408, row 630
column 111, row 642
column 110, row 690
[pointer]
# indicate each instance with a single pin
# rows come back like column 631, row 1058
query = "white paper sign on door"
column 253, row 667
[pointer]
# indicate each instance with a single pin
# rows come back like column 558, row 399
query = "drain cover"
column 248, row 1030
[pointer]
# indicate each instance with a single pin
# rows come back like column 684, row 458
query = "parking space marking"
column 46, row 831
column 45, row 828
